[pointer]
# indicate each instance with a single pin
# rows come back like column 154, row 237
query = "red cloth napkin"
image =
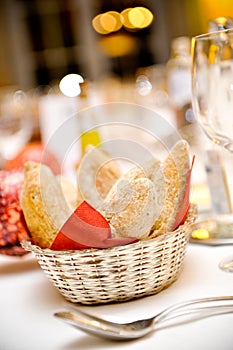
column 87, row 228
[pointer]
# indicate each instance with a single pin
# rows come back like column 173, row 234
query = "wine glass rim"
column 210, row 34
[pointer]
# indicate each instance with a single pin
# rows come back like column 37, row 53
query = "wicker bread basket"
column 116, row 274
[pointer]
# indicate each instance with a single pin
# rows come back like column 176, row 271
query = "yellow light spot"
column 132, row 18
column 126, row 21
column 118, row 20
column 118, row 45
column 96, row 23
column 222, row 20
column 200, row 233
column 108, row 22
column 213, row 51
column 137, row 17
column 90, row 138
column 148, row 17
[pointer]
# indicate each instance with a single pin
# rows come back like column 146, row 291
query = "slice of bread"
column 131, row 207
column 43, row 203
column 96, row 175
column 175, row 172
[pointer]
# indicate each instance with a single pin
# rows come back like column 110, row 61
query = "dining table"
column 28, row 302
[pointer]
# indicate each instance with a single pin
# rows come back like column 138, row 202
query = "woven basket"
column 116, row 274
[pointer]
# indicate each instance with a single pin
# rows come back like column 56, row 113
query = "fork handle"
column 200, row 305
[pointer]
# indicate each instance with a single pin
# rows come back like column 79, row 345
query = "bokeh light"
column 70, row 85
column 126, row 21
column 118, row 45
column 131, row 18
column 96, row 23
column 108, row 22
column 140, row 17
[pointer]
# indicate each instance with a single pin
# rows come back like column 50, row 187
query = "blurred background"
column 43, row 40
column 61, row 56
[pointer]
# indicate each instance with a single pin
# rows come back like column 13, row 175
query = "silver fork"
column 122, row 331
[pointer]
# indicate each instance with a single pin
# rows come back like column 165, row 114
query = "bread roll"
column 97, row 173
column 42, row 201
column 131, row 207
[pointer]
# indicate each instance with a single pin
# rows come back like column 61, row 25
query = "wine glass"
column 212, row 94
column 16, row 126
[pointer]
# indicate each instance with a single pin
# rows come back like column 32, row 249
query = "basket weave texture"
column 116, row 274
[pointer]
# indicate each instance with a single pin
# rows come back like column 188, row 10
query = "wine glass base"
column 226, row 264
column 217, row 230
column 213, row 227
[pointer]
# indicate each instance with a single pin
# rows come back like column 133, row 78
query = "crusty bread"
column 180, row 155
column 175, row 170
column 42, row 201
column 96, row 174
column 142, row 203
column 131, row 207
column 169, row 183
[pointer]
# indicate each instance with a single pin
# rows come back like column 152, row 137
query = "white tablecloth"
column 28, row 301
